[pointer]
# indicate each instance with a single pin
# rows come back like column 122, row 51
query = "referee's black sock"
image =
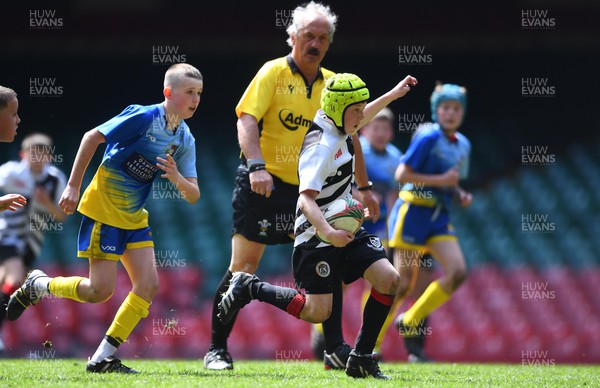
column 376, row 310
column 220, row 332
column 332, row 327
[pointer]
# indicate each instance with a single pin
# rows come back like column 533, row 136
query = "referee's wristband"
column 257, row 167
column 369, row 186
column 250, row 162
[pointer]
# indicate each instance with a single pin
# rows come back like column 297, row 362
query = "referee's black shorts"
column 264, row 220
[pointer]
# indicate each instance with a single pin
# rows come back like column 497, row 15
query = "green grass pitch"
column 70, row 373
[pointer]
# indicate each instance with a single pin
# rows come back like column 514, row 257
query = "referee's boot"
column 237, row 296
column 24, row 297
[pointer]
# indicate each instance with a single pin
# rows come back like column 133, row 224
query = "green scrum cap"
column 341, row 91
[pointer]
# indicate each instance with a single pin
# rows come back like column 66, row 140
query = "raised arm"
column 378, row 104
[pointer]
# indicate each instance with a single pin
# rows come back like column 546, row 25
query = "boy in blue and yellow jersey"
column 436, row 159
column 381, row 159
column 142, row 142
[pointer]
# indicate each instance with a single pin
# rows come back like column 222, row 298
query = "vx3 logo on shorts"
column 110, row 248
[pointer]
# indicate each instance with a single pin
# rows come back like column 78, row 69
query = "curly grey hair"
column 304, row 12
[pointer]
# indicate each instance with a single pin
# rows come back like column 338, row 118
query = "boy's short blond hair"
column 179, row 71
column 6, row 94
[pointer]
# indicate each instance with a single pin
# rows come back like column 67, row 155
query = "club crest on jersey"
column 337, row 154
column 375, row 243
column 264, row 226
column 171, row 151
column 323, row 269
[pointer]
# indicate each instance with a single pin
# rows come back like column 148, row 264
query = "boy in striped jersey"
column 326, row 171
column 22, row 231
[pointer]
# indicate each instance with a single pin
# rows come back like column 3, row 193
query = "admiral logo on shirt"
column 291, row 122
column 139, row 168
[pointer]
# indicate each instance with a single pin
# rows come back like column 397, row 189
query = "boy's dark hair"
column 6, row 94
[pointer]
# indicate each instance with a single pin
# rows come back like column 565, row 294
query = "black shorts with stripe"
column 264, row 220
column 316, row 269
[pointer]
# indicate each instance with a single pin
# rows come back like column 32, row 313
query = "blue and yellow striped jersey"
column 432, row 152
column 134, row 139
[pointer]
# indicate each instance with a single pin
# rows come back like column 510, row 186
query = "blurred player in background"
column 22, row 231
column 9, row 121
column 381, row 159
column 436, row 159
column 326, row 171
column 420, row 270
column 274, row 114
column 141, row 141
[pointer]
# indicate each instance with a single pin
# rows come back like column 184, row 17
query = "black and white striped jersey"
column 27, row 225
column 326, row 165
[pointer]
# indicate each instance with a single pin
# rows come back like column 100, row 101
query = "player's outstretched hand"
column 261, row 182
column 12, row 202
column 169, row 166
column 68, row 200
column 340, row 238
column 404, row 86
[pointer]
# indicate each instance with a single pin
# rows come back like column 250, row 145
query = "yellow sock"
column 433, row 297
column 65, row 287
column 131, row 311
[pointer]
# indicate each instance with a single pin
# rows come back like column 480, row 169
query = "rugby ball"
column 345, row 214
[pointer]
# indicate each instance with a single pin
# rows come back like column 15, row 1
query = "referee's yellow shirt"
column 284, row 105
